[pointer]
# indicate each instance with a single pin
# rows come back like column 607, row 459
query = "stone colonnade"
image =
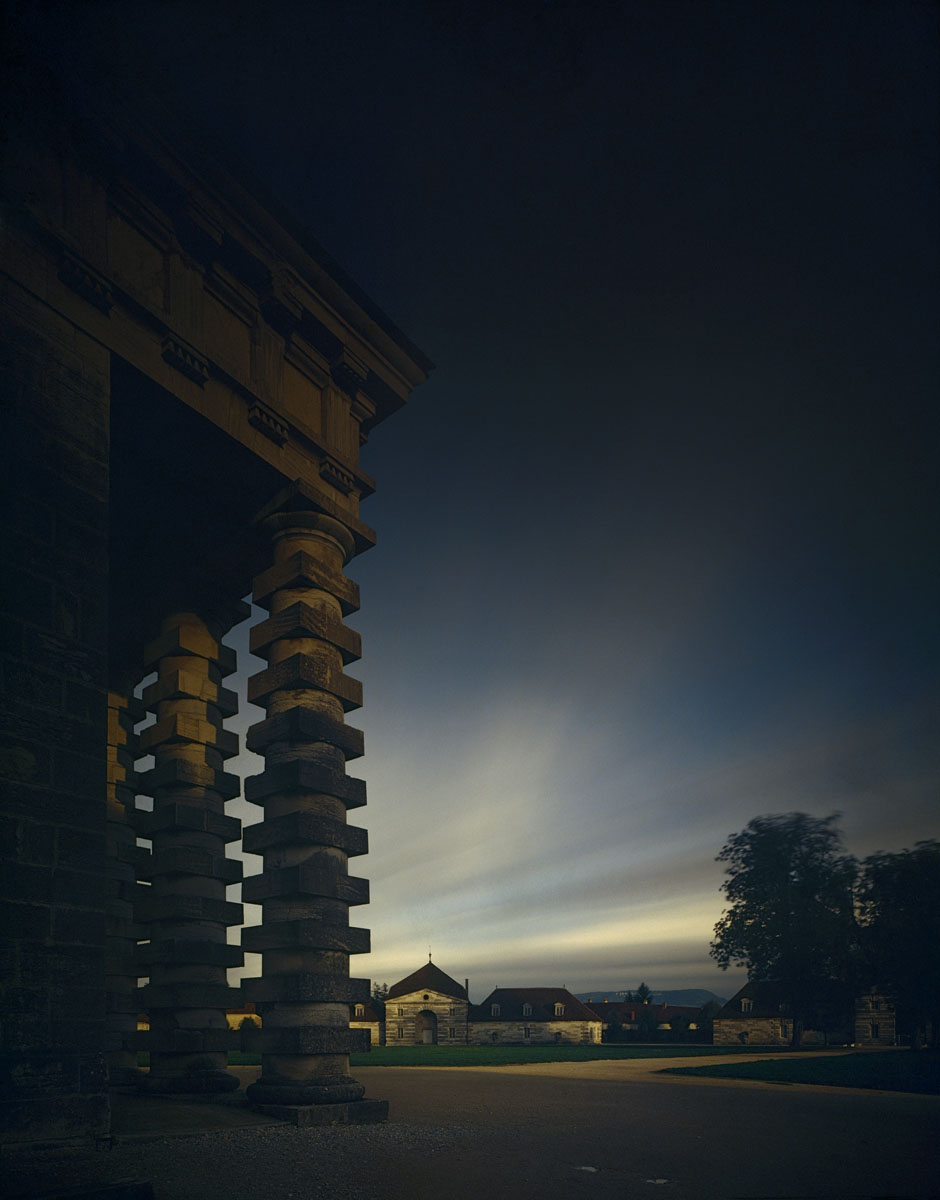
column 169, row 912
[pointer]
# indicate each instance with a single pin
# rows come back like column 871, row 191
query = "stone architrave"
column 124, row 857
column 305, row 890
column 186, row 912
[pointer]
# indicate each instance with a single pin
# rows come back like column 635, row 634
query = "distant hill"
column 692, row 997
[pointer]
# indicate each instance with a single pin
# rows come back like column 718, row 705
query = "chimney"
column 466, row 987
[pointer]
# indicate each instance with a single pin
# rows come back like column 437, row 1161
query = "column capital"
column 301, row 497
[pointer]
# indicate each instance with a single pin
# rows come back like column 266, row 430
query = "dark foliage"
column 899, row 914
column 791, row 917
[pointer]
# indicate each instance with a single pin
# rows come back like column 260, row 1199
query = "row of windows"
column 527, row 1010
column 452, row 1035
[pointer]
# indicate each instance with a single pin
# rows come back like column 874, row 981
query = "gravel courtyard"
column 597, row 1129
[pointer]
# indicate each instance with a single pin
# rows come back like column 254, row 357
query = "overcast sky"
column 657, row 542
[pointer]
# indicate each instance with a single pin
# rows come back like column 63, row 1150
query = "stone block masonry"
column 186, row 912
column 305, row 890
column 53, row 715
column 172, row 356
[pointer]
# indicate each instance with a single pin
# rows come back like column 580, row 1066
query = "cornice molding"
column 302, row 356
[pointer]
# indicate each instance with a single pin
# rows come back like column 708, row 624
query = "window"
column 453, row 1032
column 401, row 1011
column 746, row 1004
column 784, row 1030
column 360, row 1010
column 453, row 1011
column 401, row 1032
column 559, row 1010
column 494, row 1010
column 527, row 1010
column 526, row 1032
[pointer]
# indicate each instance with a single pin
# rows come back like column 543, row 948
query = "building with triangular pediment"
column 426, row 1007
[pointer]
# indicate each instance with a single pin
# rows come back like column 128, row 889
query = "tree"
column 791, row 917
column 614, row 1029
column 380, row 992
column 899, row 911
column 642, row 994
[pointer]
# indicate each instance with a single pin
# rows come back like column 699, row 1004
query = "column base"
column 356, row 1112
column 194, row 1082
column 278, row 1090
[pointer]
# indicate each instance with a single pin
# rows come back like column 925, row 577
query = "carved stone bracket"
column 348, row 372
column 84, row 280
column 279, row 303
column 266, row 421
column 185, row 359
column 337, row 476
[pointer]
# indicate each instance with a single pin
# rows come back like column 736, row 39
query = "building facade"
column 188, row 380
column 533, row 1016
column 759, row 1015
column 426, row 1008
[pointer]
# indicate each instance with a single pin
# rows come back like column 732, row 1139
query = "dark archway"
column 426, row 1028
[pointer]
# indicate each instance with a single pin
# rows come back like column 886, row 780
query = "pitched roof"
column 769, row 998
column 372, row 1010
column 429, row 978
column 542, row 1001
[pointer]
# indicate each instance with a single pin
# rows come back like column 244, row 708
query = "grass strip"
column 889, row 1071
column 504, row 1056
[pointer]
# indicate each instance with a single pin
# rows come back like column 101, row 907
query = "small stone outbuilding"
column 426, row 1008
column 369, row 1015
column 760, row 1015
column 533, row 1016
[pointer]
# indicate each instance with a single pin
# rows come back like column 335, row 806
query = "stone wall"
column 760, row 1031
column 484, row 1033
column 374, row 1028
column 874, row 1021
column 53, row 759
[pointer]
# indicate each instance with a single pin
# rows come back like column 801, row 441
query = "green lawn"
column 497, row 1056
column 889, row 1070
column 501, row 1056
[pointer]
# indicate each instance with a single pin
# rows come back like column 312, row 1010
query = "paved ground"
column 596, row 1130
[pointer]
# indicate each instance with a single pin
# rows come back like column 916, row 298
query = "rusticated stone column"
column 187, row 912
column 124, row 857
column 305, row 891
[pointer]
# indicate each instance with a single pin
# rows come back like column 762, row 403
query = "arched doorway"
column 426, row 1028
